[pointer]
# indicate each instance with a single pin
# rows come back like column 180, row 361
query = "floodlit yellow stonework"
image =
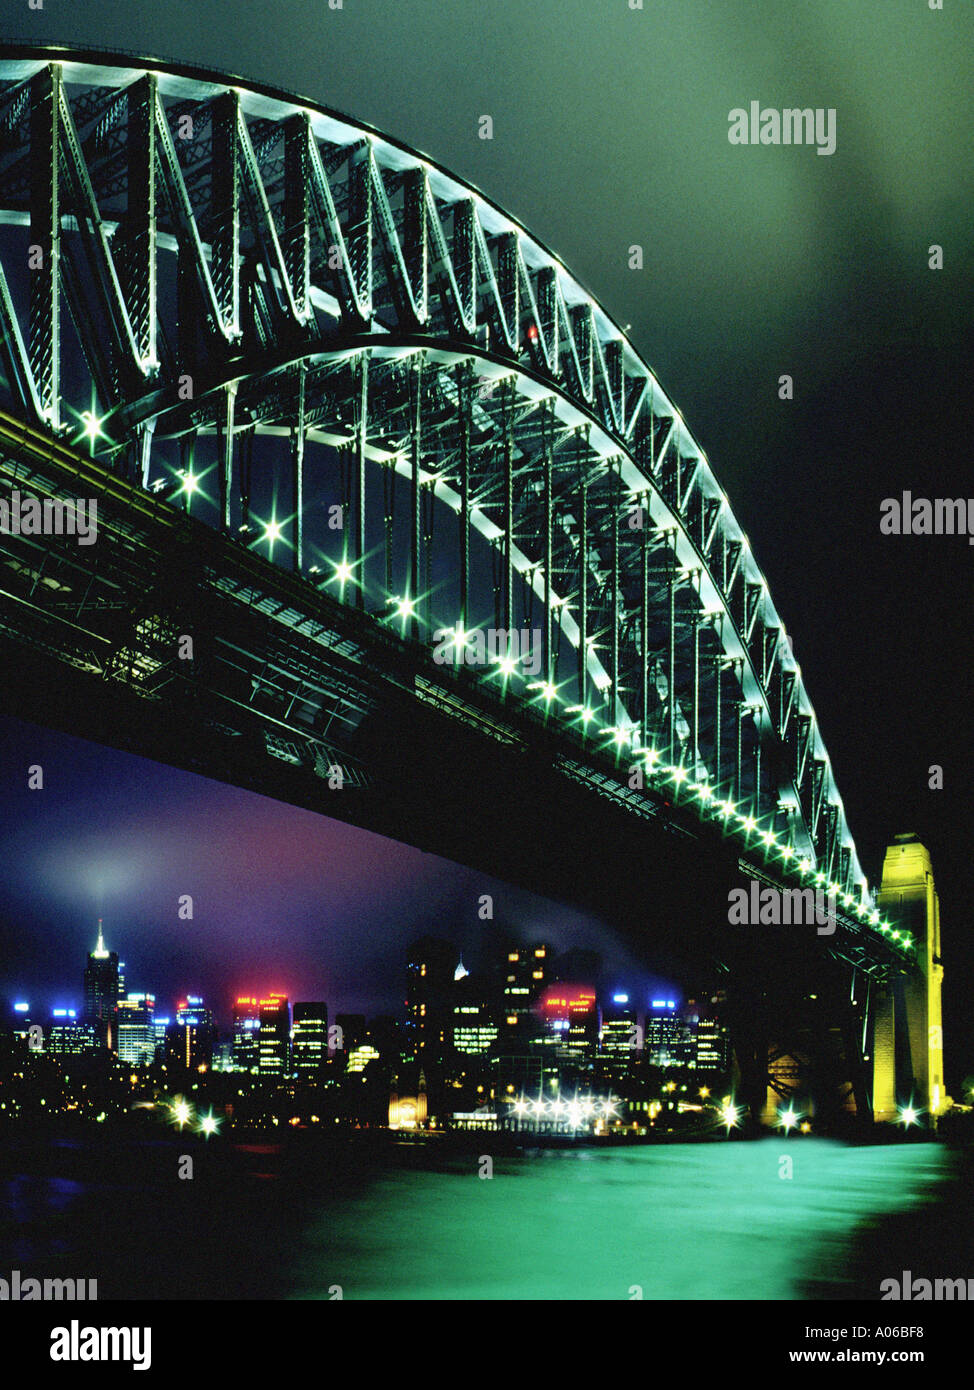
column 908, row 1016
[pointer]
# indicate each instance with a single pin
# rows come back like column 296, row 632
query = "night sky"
column 610, row 128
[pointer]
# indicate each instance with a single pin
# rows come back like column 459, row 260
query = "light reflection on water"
column 695, row 1222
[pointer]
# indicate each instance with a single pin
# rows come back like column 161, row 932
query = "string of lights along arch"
column 358, row 366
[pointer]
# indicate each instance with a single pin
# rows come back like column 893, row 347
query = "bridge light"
column 909, row 1116
column 788, row 1119
column 726, row 809
column 768, row 837
column 405, row 608
column 190, row 483
column 92, row 424
column 209, row 1124
column 730, row 1115
column 507, row 665
column 343, row 573
column 679, row 775
column 787, row 852
column 749, row 823
column 874, row 918
column 805, row 866
column 272, row 532
column 585, row 714
column 181, row 1112
column 705, row 793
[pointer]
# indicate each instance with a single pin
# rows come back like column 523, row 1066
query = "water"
column 695, row 1221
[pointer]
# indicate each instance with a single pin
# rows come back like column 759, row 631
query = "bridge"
column 394, row 522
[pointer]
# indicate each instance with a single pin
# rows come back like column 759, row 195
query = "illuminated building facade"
column 527, row 972
column 570, row 1020
column 101, row 987
column 474, row 1030
column 712, row 1042
column 70, row 1036
column 670, row 1038
column 274, row 1038
column 246, row 1034
column 188, row 1046
column 617, row 1032
column 475, row 1025
column 430, row 965
column 136, row 1029
column 310, row 1039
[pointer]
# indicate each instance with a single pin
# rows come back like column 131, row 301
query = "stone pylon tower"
column 908, row 1038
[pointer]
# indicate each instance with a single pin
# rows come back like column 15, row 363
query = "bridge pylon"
column 908, row 1066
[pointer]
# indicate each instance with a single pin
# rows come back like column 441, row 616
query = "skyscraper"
column 617, row 1036
column 671, row 1040
column 430, row 967
column 101, row 988
column 136, row 1029
column 274, row 1039
column 246, row 1033
column 310, row 1040
column 527, row 971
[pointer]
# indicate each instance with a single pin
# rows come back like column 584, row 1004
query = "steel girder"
column 252, row 278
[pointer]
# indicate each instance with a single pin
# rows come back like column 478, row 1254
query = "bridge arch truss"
column 280, row 317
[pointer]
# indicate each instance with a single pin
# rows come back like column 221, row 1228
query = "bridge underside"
column 295, row 695
column 338, row 356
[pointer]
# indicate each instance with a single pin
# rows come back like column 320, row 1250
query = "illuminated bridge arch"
column 359, row 367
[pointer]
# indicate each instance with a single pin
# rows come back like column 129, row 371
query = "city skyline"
column 330, row 892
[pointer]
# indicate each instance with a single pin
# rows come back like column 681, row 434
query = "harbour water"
column 771, row 1219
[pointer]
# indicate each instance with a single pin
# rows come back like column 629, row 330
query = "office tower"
column 274, row 1038
column 570, row 1017
column 475, row 1026
column 246, row 1034
column 136, row 1029
column 70, row 1036
column 188, row 1046
column 310, row 1041
column 101, row 990
column 670, row 1038
column 193, row 1010
column 712, row 1040
column 617, row 1035
column 526, row 972
column 200, row 1040
column 430, row 967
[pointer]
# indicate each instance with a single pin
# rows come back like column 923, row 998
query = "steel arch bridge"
column 347, row 361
